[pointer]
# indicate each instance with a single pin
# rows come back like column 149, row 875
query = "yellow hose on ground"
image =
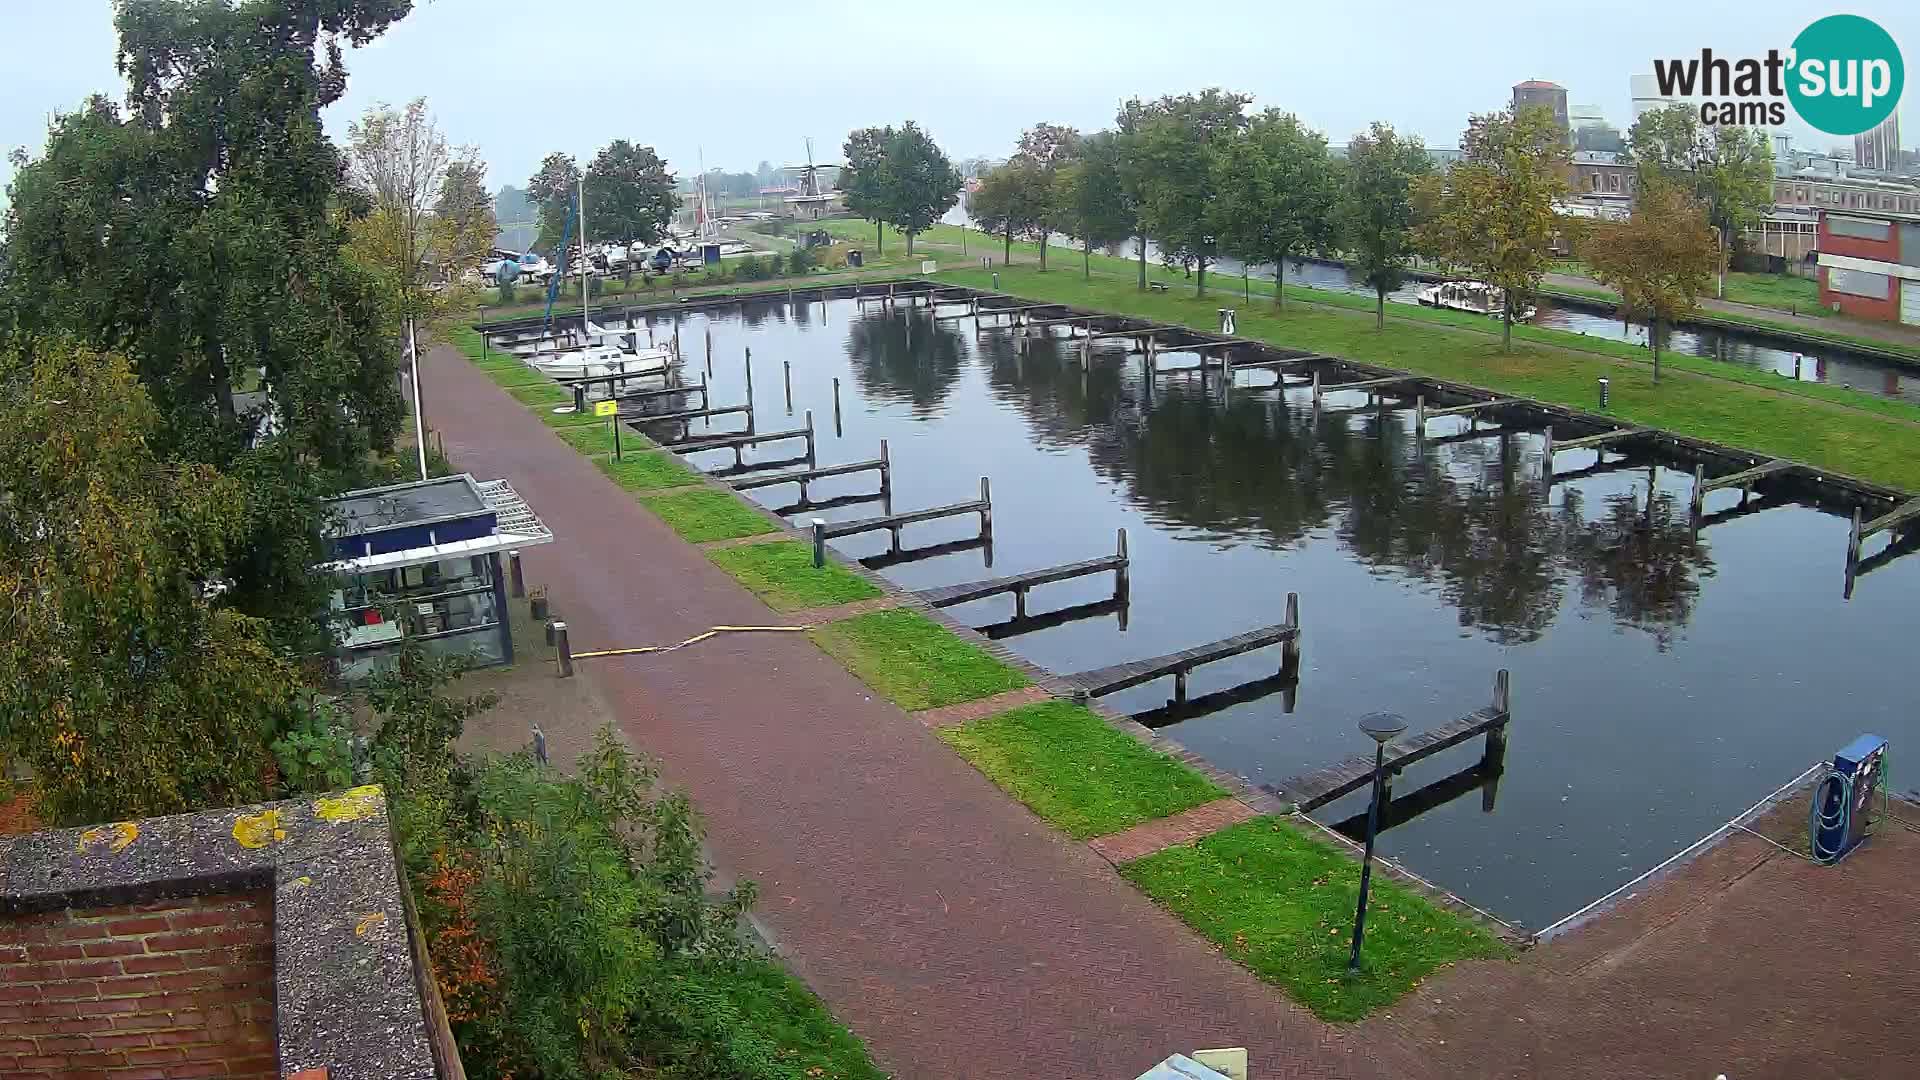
column 712, row 632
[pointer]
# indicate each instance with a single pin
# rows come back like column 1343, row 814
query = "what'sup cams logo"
column 1843, row 75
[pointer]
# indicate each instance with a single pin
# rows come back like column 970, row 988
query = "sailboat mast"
column 583, row 256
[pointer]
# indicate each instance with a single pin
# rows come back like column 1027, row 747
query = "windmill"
column 812, row 197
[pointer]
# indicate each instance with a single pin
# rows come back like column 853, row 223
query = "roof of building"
column 417, row 502
column 1538, row 84
column 348, row 997
column 1598, row 157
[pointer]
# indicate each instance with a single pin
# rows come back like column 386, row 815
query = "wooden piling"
column 1316, row 389
column 749, row 374
column 812, row 455
column 1698, row 502
column 986, row 508
column 838, row 432
column 786, row 371
column 1493, row 760
column 1420, row 416
column 1122, row 575
column 1290, row 649
column 1853, row 542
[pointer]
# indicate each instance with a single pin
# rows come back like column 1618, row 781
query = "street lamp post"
column 1380, row 727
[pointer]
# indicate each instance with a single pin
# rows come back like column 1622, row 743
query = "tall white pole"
column 584, row 262
column 419, row 410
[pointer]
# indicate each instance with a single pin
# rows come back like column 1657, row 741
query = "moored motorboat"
column 1475, row 297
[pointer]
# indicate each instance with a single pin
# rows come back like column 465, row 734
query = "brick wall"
column 1861, row 307
column 177, row 989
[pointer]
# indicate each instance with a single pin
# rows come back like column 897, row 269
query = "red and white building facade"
column 1870, row 265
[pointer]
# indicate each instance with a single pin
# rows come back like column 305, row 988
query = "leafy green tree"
column 921, row 184
column 1376, row 209
column 865, row 181
column 552, row 189
column 1278, row 191
column 201, row 236
column 127, row 681
column 1098, row 212
column 1015, row 199
column 467, row 211
column 1048, row 150
column 1659, row 259
column 1493, row 210
column 630, row 194
column 1727, row 169
column 1170, row 145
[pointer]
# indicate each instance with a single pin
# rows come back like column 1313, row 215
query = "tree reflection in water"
column 1643, row 563
column 901, row 357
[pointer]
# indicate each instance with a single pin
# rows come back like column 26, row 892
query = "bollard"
column 996, row 279
column 566, row 650
column 579, row 398
column 1796, row 367
column 549, row 626
column 537, row 604
column 515, row 579
column 1604, row 386
column 819, row 543
column 1290, row 649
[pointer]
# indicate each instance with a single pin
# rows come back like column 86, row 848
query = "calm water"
column 1661, row 682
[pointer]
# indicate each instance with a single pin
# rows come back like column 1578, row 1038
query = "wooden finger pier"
column 1117, row 677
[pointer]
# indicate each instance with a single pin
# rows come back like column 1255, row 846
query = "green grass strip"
column 781, row 572
column 1877, row 439
column 587, row 436
column 700, row 516
column 1281, row 903
column 914, row 661
column 540, row 393
column 647, row 471
column 1074, row 769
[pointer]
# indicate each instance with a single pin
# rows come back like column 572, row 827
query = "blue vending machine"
column 1841, row 812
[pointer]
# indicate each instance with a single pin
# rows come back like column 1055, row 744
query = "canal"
column 1662, row 680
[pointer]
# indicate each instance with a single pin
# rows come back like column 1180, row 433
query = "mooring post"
column 886, row 480
column 838, row 432
column 1420, row 416
column 579, row 398
column 1020, row 603
column 1290, row 649
column 812, row 458
column 1316, row 389
column 986, row 508
column 786, row 371
column 1180, row 687
column 1853, row 542
column 1494, row 760
column 516, row 578
column 709, row 347
column 819, row 543
column 749, row 374
column 1546, row 463
column 1699, row 496
column 561, row 643
column 1122, row 579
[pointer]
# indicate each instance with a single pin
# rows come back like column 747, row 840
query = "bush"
column 799, row 261
column 508, row 293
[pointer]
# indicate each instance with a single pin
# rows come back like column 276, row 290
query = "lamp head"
column 1382, row 726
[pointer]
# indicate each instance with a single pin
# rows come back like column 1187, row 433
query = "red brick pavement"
column 1185, row 827
column 958, row 934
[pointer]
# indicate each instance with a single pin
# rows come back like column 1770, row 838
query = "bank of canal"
column 1661, row 680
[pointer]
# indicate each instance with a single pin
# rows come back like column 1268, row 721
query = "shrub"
column 799, row 261
column 508, row 293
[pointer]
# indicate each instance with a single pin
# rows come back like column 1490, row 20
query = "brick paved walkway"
column 957, row 933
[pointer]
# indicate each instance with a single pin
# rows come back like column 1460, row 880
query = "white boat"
column 595, row 361
column 1475, row 297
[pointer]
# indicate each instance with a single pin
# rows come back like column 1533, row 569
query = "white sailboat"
column 603, row 351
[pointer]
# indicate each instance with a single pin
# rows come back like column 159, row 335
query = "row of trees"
column 630, row 195
column 898, row 177
column 1200, row 178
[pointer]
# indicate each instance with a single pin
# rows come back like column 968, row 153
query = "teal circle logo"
column 1846, row 75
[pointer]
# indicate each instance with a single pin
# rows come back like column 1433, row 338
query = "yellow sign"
column 606, row 408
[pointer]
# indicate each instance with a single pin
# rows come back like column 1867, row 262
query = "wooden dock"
column 1026, row 624
column 688, row 416
column 882, row 465
column 1590, row 441
column 665, row 392
column 1286, row 685
column 1019, row 584
column 1421, row 414
column 1744, row 480
column 1313, row 790
column 892, row 523
column 1892, row 519
column 1320, row 390
column 1117, row 677
column 738, row 443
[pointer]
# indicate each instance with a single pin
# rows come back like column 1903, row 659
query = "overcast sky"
column 748, row 82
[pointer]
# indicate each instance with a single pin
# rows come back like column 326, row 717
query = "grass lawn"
column 1783, row 291
column 916, row 662
column 700, row 516
column 587, row 436
column 1870, row 437
column 773, row 1009
column 647, row 472
column 1281, row 903
column 782, row 573
column 1072, row 768
column 540, row 393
